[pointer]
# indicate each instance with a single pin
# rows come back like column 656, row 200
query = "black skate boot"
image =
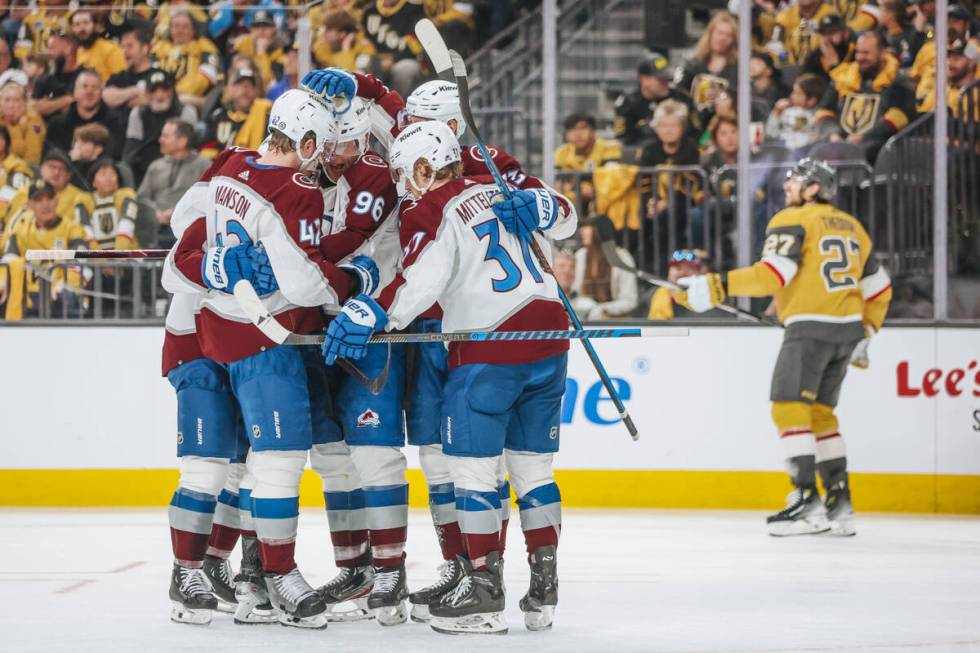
column 538, row 605
column 251, row 594
column 476, row 605
column 219, row 572
column 191, row 597
column 804, row 514
column 299, row 605
column 840, row 512
column 387, row 599
column 347, row 594
column 451, row 573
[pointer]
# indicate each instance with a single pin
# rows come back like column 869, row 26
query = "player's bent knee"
column 435, row 464
column 529, row 470
column 206, row 475
column 379, row 466
column 236, row 472
column 277, row 473
column 823, row 419
column 790, row 415
column 333, row 464
column 475, row 474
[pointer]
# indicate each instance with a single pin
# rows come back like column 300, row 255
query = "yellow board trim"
column 580, row 488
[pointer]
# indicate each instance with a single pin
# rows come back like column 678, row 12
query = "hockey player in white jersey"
column 244, row 203
column 499, row 400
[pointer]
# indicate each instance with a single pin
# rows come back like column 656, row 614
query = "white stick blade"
column 49, row 255
column 259, row 315
column 434, row 46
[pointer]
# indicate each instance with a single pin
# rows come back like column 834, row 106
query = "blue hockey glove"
column 223, row 267
column 348, row 334
column 365, row 271
column 527, row 211
column 330, row 82
column 263, row 277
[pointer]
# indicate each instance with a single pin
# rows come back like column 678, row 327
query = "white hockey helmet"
column 437, row 100
column 295, row 113
column 352, row 129
column 431, row 140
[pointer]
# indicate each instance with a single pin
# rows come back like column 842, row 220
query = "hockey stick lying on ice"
column 606, row 231
column 84, row 254
column 270, row 327
column 443, row 59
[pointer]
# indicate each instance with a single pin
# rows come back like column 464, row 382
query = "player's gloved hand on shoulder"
column 526, row 211
column 330, row 82
column 348, row 334
column 704, row 291
column 223, row 267
column 364, row 274
column 263, row 278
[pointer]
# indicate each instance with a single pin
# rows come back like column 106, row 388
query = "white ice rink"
column 652, row 581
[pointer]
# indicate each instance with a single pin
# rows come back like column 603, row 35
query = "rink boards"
column 87, row 420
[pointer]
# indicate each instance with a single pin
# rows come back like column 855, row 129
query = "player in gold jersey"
column 832, row 295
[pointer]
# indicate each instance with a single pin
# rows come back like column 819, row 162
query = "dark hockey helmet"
column 814, row 171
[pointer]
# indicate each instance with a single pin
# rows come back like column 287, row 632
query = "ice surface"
column 657, row 581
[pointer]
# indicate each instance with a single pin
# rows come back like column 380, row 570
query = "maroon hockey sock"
column 478, row 545
column 278, row 558
column 450, row 540
column 349, row 547
column 189, row 548
column 388, row 546
column 222, row 540
column 503, row 537
column 541, row 537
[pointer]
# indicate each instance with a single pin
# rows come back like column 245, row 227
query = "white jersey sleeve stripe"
column 785, row 267
column 874, row 284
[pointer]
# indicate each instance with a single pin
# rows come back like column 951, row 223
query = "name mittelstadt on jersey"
column 231, row 198
column 470, row 208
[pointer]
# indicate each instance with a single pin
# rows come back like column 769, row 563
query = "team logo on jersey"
column 368, row 418
column 243, row 175
column 301, row 179
column 256, row 431
column 180, row 438
column 859, row 113
column 374, row 160
column 553, row 433
column 475, row 152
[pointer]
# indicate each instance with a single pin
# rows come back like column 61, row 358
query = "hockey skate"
column 299, row 604
column 840, row 512
column 538, row 605
column 346, row 595
column 219, row 572
column 450, row 574
column 192, row 601
column 387, row 599
column 804, row 514
column 476, row 604
column 251, row 594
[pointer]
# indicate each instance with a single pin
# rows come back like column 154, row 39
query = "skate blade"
column 226, row 607
column 813, row 525
column 540, row 619
column 843, row 527
column 485, row 623
column 420, row 613
column 349, row 611
column 183, row 615
column 246, row 616
column 391, row 615
column 316, row 622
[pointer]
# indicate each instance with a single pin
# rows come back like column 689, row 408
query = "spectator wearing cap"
column 583, row 150
column 108, row 213
column 26, row 128
column 340, row 43
column 55, row 170
column 795, row 35
column 193, row 60
column 904, row 41
column 836, row 46
column 792, row 122
column 87, row 108
column 232, row 18
column 767, row 83
column 713, row 67
column 53, row 91
column 666, row 304
column 634, row 111
column 88, row 145
column 242, row 120
column 128, row 89
column 15, row 172
column 264, row 45
column 962, row 59
column 290, row 75
column 39, row 225
column 99, row 54
column 868, row 101
column 169, row 177
column 146, row 122
column 601, row 291
column 923, row 71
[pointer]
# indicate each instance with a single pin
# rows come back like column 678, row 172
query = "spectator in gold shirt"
column 27, row 129
column 583, row 150
column 341, row 44
column 95, row 52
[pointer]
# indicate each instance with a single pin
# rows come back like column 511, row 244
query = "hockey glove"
column 348, row 334
column 330, row 83
column 859, row 357
column 364, row 273
column 223, row 267
column 263, row 277
column 704, row 291
column 526, row 211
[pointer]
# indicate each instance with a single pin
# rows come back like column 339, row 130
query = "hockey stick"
column 83, row 254
column 435, row 47
column 607, row 241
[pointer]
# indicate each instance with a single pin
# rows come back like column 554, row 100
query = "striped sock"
column 541, row 516
column 504, row 491
column 387, row 519
column 276, row 521
column 479, row 520
column 245, row 519
column 226, row 526
column 348, row 526
column 190, row 515
column 442, row 506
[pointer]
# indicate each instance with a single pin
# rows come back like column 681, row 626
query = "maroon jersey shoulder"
column 473, row 163
column 292, row 193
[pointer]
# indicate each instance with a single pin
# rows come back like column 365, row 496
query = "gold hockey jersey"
column 798, row 34
column 109, row 222
column 819, row 265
